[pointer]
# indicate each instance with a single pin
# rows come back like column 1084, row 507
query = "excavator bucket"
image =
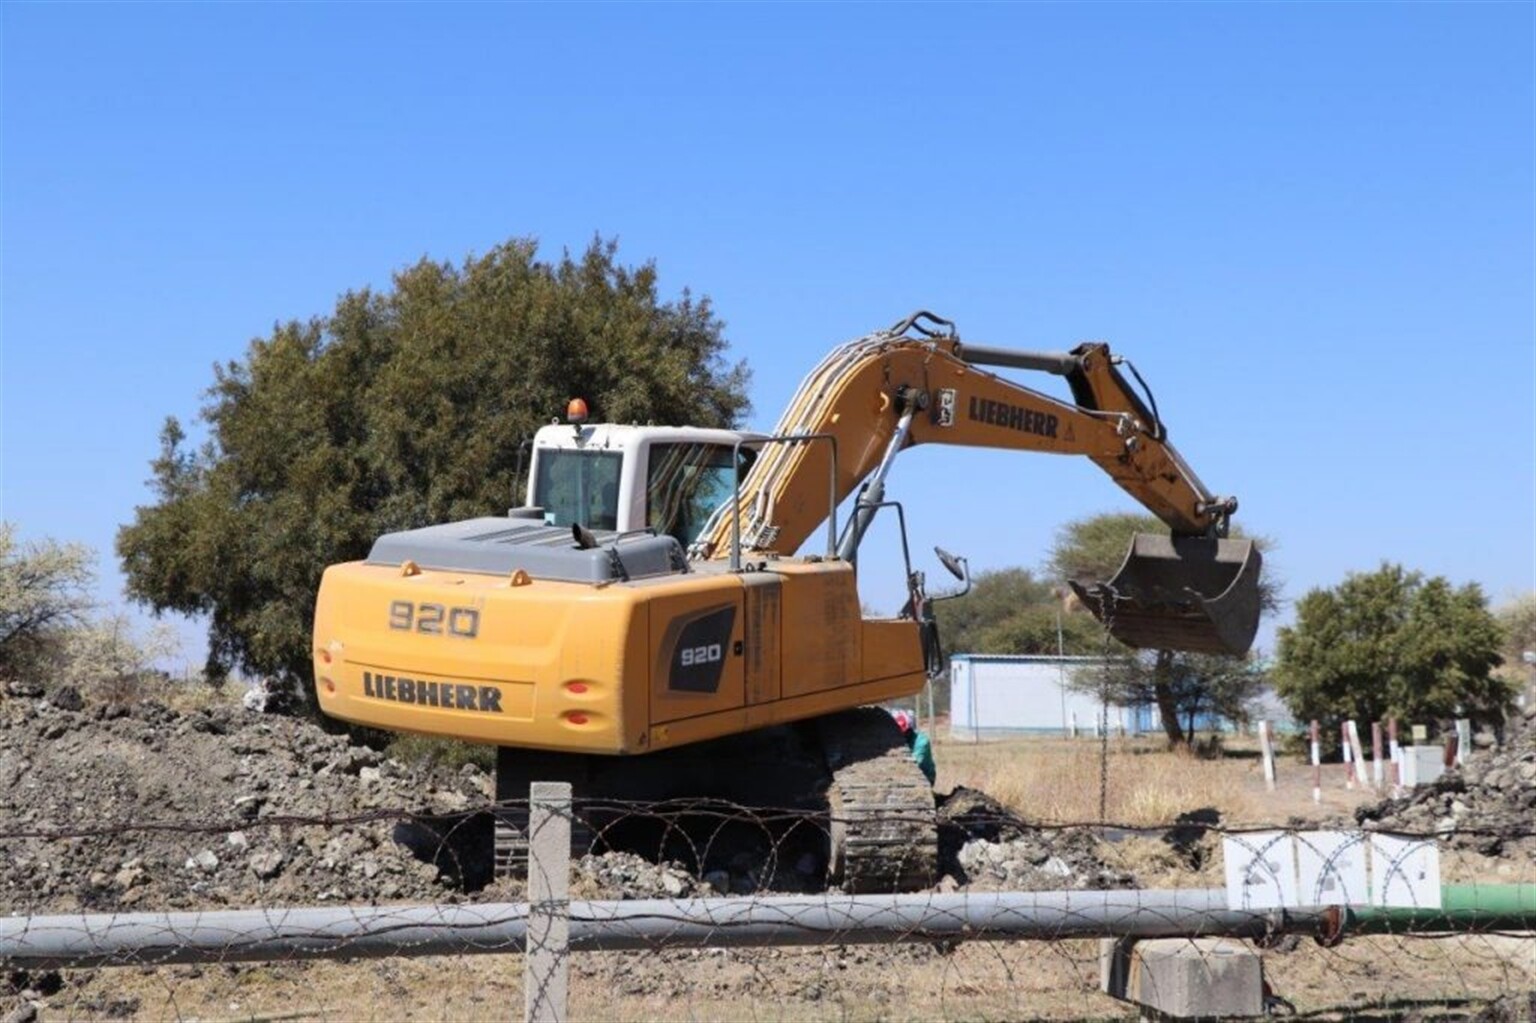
column 1181, row 593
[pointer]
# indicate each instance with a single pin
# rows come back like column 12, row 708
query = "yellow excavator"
column 643, row 627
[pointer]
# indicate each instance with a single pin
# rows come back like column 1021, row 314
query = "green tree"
column 1183, row 686
column 1391, row 643
column 399, row 409
column 1009, row 611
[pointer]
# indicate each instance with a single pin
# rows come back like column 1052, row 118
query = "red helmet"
column 903, row 720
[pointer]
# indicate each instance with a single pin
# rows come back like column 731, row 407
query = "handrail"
column 787, row 438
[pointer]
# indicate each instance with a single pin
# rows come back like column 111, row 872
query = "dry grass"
column 1059, row 780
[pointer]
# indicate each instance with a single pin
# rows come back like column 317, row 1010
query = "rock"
column 370, row 775
column 130, row 877
column 672, row 884
column 266, row 864
column 1055, row 865
column 249, row 806
column 25, row 1012
column 204, row 861
column 236, row 840
column 67, row 698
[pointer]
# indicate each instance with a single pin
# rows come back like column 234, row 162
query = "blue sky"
column 1310, row 225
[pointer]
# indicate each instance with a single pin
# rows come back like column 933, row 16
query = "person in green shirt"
column 919, row 744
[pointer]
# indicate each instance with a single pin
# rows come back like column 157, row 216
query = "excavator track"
column 515, row 770
column 884, row 827
column 881, row 820
column 510, row 843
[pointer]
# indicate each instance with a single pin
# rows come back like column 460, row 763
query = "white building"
column 998, row 694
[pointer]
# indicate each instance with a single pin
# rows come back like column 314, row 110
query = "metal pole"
column 874, row 490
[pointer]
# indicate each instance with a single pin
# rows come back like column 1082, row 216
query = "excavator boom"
column 917, row 383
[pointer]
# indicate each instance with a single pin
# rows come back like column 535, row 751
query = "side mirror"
column 957, row 567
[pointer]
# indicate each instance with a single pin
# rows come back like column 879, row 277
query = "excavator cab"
column 1193, row 593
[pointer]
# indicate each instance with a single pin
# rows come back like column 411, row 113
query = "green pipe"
column 1463, row 907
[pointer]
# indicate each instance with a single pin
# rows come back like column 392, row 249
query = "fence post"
column 1354, row 740
column 1349, row 756
column 1267, row 750
column 1378, row 772
column 1396, row 752
column 1463, row 740
column 1317, row 764
column 546, row 965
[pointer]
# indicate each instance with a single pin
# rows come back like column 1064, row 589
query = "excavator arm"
column 917, row 383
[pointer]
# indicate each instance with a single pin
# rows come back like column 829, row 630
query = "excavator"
column 643, row 626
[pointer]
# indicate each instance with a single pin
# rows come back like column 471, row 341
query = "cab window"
column 579, row 486
column 686, row 482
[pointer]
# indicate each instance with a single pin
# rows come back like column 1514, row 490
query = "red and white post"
column 1317, row 763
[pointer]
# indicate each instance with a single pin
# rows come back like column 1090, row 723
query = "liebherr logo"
column 1014, row 417
column 449, row 695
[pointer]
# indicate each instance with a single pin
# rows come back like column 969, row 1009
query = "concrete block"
column 1185, row 978
column 1422, row 765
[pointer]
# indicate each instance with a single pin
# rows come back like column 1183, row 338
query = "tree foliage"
column 49, row 633
column 1093, row 548
column 1391, row 643
column 399, row 409
column 44, row 592
column 1009, row 611
column 1518, row 619
column 1185, row 687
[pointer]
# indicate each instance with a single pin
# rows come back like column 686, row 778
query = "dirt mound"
column 987, row 847
column 1488, row 805
column 148, row 807
column 144, row 806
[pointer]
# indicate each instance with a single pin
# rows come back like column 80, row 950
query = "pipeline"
column 1471, row 908
column 79, row 941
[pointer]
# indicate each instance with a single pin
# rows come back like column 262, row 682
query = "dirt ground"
column 1366, row 978
column 289, row 815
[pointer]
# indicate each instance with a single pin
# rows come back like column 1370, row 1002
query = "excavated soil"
column 144, row 806
column 1488, row 805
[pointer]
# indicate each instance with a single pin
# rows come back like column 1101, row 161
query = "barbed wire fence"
column 705, row 910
